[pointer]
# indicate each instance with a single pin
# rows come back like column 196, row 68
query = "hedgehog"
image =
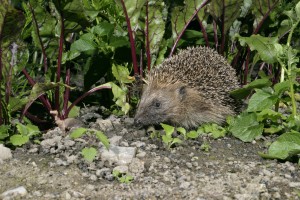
column 188, row 89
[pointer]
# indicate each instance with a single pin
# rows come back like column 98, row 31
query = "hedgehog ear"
column 182, row 93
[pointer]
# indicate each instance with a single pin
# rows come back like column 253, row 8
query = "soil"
column 230, row 169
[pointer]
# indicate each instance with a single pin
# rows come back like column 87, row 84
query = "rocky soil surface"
column 55, row 168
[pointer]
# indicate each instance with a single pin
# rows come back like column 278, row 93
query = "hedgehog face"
column 158, row 105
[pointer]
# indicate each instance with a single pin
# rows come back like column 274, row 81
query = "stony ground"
column 231, row 169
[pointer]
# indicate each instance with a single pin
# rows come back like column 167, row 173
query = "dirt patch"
column 230, row 170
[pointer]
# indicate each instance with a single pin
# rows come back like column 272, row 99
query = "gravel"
column 231, row 169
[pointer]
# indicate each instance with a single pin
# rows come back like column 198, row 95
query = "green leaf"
column 181, row 130
column 4, row 132
column 297, row 9
column 269, row 114
column 245, row 127
column 27, row 130
column 100, row 135
column 268, row 48
column 117, row 42
column 119, row 96
column 78, row 132
column 273, row 129
column 85, row 43
column 122, row 74
column 157, row 16
column 215, row 130
column 280, row 88
column 103, row 29
column 232, row 10
column 205, row 146
column 89, row 153
column 286, row 145
column 192, row 134
column 261, row 100
column 19, row 140
column 247, row 89
column 176, row 140
column 261, row 8
column 181, row 14
column 168, row 129
column 126, row 179
column 134, row 8
column 74, row 112
column 167, row 139
column 116, row 173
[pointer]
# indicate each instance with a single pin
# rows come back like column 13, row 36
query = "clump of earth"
column 230, row 169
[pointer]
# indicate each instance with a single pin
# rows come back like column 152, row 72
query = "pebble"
column 294, row 184
column 184, row 185
column 105, row 124
column 123, row 169
column 129, row 121
column 189, row 165
column 137, row 166
column 14, row 193
column 93, row 177
column 138, row 144
column 103, row 172
column 5, row 153
column 141, row 154
column 115, row 140
column 47, row 143
column 119, row 155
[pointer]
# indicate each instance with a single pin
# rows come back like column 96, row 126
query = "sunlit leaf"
column 261, row 100
column 286, row 145
column 78, row 132
column 103, row 138
column 19, row 140
column 245, row 127
column 267, row 47
column 89, row 153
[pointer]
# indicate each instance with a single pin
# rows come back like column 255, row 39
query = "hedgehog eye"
column 156, row 104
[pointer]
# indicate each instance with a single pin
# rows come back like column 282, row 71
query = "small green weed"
column 89, row 153
column 122, row 177
column 213, row 130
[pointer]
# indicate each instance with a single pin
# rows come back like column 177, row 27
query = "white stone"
column 9, row 194
column 115, row 140
column 5, row 153
column 118, row 155
column 105, row 124
column 123, row 169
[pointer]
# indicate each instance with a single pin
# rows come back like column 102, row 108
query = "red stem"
column 215, row 35
column 223, row 30
column 67, row 94
column 141, row 64
column 58, row 71
column 255, row 32
column 35, row 119
column 43, row 99
column 186, row 25
column 264, row 18
column 247, row 66
column 203, row 31
column 147, row 38
column 39, row 37
column 84, row 95
column 132, row 42
column 1, row 78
